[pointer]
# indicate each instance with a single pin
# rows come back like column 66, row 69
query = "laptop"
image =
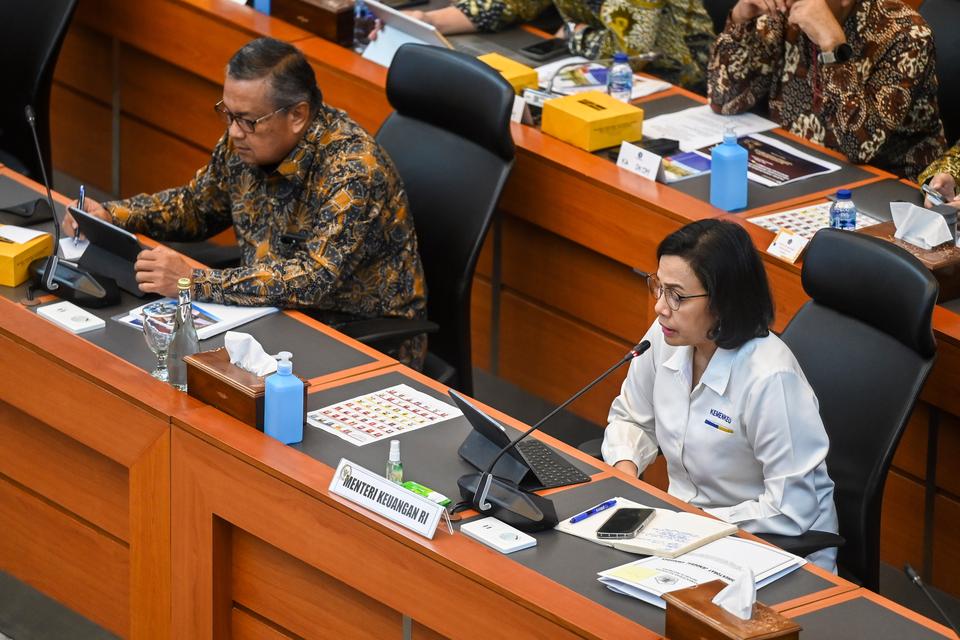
column 397, row 29
column 531, row 464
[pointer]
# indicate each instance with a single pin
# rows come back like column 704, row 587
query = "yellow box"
column 520, row 76
column 15, row 258
column 592, row 120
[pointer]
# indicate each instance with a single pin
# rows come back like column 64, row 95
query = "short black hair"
column 725, row 261
column 291, row 77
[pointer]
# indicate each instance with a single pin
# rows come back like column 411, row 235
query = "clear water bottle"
column 620, row 78
column 363, row 23
column 843, row 213
column 728, row 174
column 283, row 403
column 184, row 341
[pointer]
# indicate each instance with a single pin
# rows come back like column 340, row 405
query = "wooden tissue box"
column 329, row 19
column 235, row 391
column 692, row 615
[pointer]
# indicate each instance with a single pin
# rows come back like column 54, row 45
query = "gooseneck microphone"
column 49, row 282
column 915, row 579
column 493, row 495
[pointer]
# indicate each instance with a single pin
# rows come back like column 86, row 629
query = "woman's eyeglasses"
column 673, row 298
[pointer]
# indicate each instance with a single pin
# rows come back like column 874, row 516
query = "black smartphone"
column 625, row 523
column 546, row 49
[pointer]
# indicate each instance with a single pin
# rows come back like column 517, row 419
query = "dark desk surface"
column 864, row 614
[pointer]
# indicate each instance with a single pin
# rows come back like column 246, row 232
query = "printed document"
column 699, row 127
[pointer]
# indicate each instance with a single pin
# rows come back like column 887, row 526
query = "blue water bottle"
column 728, row 174
column 843, row 213
column 283, row 403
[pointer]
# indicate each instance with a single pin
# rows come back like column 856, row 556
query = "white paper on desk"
column 71, row 251
column 19, row 234
column 649, row 578
column 699, row 127
column 918, row 226
column 210, row 319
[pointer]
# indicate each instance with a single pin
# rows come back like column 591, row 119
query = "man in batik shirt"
column 317, row 206
column 853, row 75
column 944, row 176
column 680, row 31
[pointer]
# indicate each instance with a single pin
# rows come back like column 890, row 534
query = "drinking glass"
column 157, row 330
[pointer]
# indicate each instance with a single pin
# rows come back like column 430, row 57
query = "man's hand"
column 158, row 270
column 818, row 21
column 69, row 226
column 946, row 185
column 627, row 467
column 746, row 10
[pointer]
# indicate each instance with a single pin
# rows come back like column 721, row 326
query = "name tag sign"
column 638, row 160
column 521, row 112
column 787, row 245
column 388, row 499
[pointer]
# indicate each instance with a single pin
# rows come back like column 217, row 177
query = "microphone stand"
column 915, row 579
column 51, row 267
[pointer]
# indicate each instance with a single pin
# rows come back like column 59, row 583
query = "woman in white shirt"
column 722, row 397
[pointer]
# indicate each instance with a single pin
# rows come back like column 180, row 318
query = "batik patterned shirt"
column 679, row 30
column 328, row 229
column 948, row 163
column 880, row 107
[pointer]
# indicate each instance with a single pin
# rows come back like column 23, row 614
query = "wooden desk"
column 144, row 76
column 260, row 545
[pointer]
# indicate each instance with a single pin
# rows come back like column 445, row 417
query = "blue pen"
column 603, row 506
column 76, row 232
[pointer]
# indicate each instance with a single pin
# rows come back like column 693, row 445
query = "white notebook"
column 71, row 317
column 668, row 535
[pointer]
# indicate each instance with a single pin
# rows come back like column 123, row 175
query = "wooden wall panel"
column 911, row 455
column 64, row 471
column 302, row 599
column 552, row 356
column 948, row 453
column 244, row 626
column 153, row 161
column 169, row 98
column 480, row 305
column 946, row 552
column 64, row 558
column 81, row 131
column 421, row 632
column 901, row 523
column 85, row 63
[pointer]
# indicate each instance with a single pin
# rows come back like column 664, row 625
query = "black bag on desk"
column 26, row 214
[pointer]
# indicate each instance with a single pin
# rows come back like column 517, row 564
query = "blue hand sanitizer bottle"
column 728, row 174
column 283, row 403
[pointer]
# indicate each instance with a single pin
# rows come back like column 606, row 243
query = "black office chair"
column 943, row 16
column 866, row 346
column 31, row 34
column 449, row 137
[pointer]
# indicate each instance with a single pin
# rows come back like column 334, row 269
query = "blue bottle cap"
column 843, row 194
column 620, row 56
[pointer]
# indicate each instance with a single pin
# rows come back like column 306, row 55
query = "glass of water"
column 157, row 321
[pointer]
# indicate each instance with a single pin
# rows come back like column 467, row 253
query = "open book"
column 668, row 535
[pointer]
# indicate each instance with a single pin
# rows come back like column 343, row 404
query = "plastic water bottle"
column 363, row 23
column 263, row 6
column 183, row 341
column 843, row 213
column 620, row 78
column 283, row 403
column 728, row 174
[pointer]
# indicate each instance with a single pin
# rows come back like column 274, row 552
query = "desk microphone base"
column 510, row 504
column 85, row 289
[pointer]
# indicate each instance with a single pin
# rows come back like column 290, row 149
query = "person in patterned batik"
column 853, row 75
column 679, row 30
column 944, row 176
column 319, row 211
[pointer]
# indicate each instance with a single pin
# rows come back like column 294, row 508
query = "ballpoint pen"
column 603, row 506
column 76, row 232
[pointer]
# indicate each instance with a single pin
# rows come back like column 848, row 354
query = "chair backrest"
column 30, row 37
column 866, row 345
column 943, row 16
column 450, row 140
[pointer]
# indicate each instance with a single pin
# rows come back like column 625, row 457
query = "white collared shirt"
column 746, row 444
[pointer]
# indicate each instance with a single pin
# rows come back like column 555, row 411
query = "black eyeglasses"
column 672, row 297
column 246, row 124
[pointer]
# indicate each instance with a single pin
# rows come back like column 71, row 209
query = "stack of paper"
column 209, row 319
column 669, row 534
column 699, row 127
column 648, row 579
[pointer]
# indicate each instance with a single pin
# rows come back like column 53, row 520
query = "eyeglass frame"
column 241, row 121
column 658, row 293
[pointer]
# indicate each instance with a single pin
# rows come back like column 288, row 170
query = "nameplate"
column 390, row 500
column 638, row 160
column 521, row 112
column 787, row 245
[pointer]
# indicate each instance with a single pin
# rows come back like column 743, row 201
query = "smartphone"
column 625, row 523
column 546, row 49
column 933, row 195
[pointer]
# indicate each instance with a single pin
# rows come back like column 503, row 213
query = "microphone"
column 505, row 500
column 915, row 579
column 50, row 273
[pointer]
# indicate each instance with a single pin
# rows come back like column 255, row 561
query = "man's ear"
column 299, row 115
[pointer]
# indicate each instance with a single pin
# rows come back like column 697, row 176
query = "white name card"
column 638, row 160
column 787, row 245
column 390, row 500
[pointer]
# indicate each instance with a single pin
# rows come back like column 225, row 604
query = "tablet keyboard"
column 550, row 468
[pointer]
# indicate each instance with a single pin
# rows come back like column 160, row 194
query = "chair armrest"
column 804, row 544
column 381, row 329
